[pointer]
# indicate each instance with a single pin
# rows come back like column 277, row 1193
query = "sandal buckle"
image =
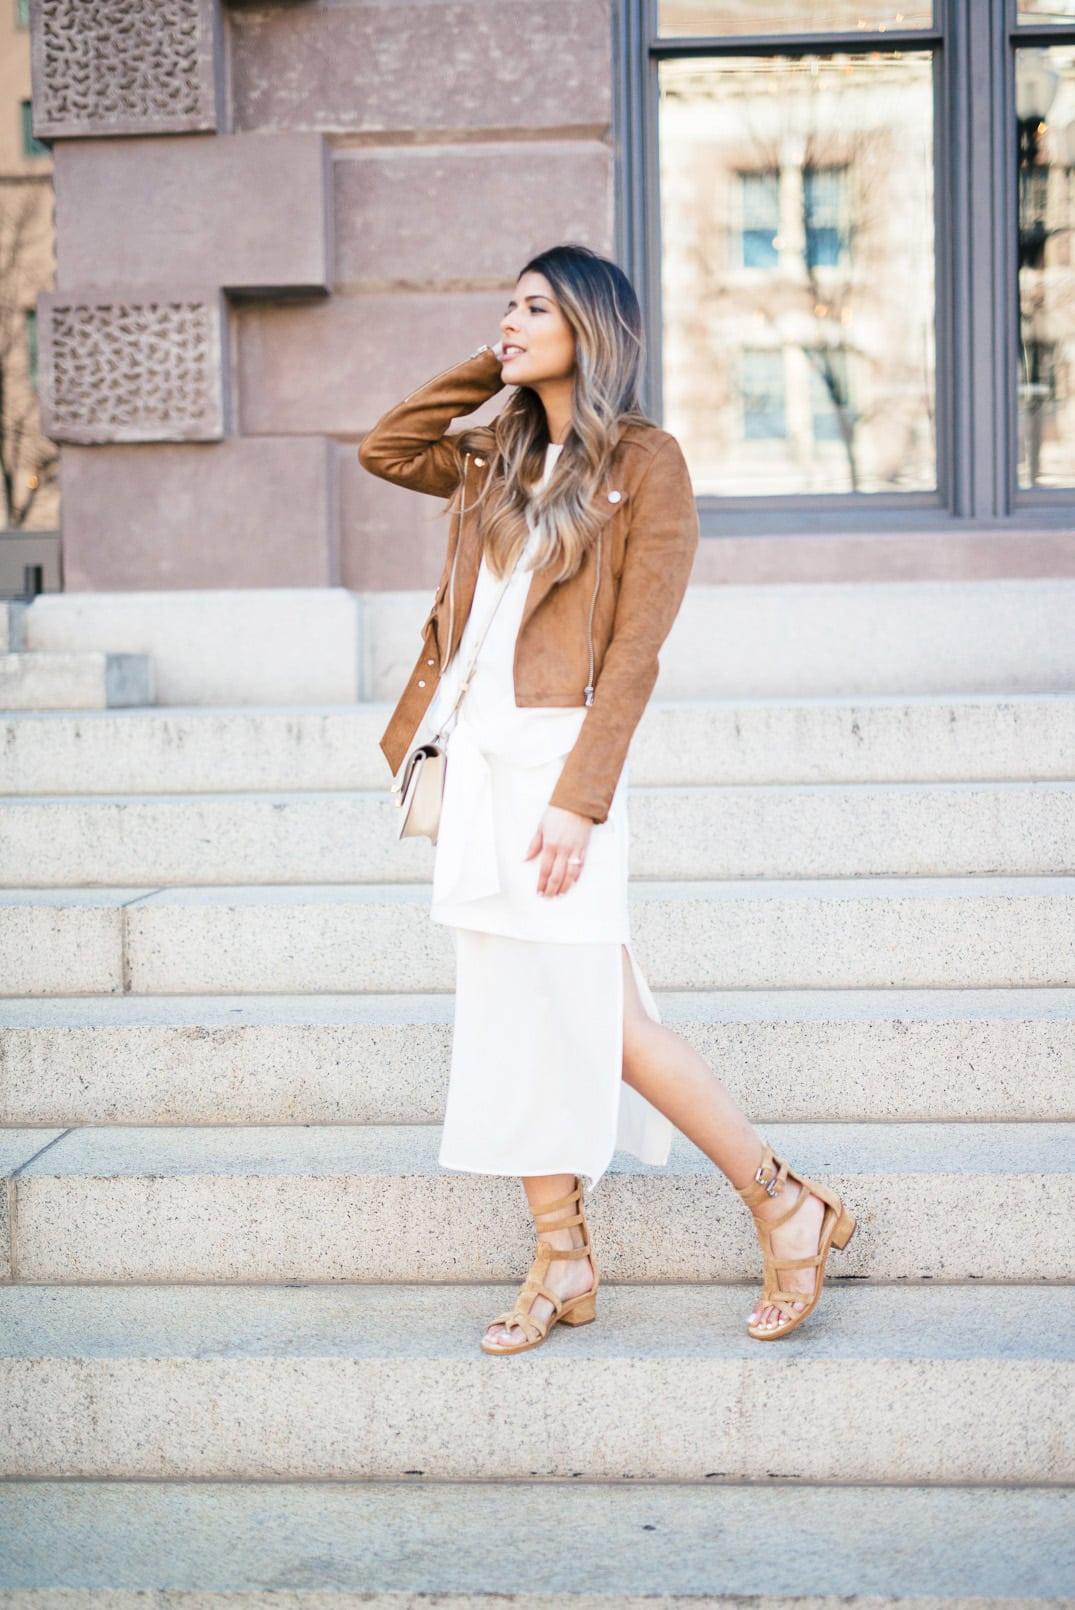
column 771, row 1186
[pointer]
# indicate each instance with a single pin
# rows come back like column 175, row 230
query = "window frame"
column 976, row 280
column 31, row 145
column 32, row 349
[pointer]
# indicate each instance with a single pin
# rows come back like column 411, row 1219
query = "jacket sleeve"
column 661, row 544
column 408, row 444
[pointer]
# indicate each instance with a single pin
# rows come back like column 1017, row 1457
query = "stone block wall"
column 273, row 221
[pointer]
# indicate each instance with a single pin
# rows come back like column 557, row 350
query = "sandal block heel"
column 582, row 1312
column 845, row 1229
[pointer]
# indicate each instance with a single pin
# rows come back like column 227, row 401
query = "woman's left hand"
column 561, row 840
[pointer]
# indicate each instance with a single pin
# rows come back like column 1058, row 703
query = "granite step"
column 84, row 680
column 736, row 831
column 266, row 1203
column 386, row 1382
column 923, row 737
column 818, row 1055
column 484, row 1545
column 865, row 933
column 12, row 625
column 18, row 1146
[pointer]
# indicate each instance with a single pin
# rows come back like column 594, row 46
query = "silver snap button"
column 614, row 497
column 479, row 463
column 421, row 684
column 431, row 662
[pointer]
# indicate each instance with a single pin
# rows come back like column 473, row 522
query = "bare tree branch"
column 29, row 463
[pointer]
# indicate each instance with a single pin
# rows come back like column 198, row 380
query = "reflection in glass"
column 1043, row 12
column 686, row 18
column 761, row 383
column 759, row 204
column 797, row 272
column 1045, row 136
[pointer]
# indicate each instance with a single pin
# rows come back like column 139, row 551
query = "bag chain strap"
column 473, row 661
column 464, row 685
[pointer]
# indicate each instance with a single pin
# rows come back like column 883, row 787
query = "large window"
column 1045, row 119
column 852, row 226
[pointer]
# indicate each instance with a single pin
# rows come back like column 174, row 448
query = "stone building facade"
column 276, row 218
column 29, row 498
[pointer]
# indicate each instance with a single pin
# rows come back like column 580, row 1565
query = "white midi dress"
column 535, row 1083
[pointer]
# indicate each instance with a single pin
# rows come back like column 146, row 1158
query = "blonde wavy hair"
column 601, row 308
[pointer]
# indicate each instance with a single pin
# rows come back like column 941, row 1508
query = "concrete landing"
column 479, row 1546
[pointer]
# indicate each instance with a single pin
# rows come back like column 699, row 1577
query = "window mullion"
column 636, row 181
column 979, row 173
column 651, row 279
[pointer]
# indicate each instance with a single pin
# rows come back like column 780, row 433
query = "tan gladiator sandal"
column 837, row 1228
column 576, row 1310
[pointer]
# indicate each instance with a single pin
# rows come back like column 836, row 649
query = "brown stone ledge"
column 918, row 556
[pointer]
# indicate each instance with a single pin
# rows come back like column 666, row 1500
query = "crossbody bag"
column 421, row 784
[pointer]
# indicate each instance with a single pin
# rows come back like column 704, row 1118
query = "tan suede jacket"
column 599, row 630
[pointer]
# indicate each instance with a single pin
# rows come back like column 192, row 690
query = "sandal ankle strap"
column 541, row 1215
column 768, row 1179
column 548, row 1208
column 561, row 1202
column 562, row 1252
column 561, row 1224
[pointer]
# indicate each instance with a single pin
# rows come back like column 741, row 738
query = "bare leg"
column 679, row 1083
column 568, row 1277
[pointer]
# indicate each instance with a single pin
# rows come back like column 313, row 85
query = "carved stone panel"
column 126, row 66
column 133, row 366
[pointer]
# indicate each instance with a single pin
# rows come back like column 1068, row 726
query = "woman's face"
column 538, row 343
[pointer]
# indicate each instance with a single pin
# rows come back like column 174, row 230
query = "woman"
column 574, row 534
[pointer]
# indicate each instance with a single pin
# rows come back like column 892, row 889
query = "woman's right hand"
column 561, row 840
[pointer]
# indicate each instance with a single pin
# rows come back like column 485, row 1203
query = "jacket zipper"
column 446, row 651
column 587, row 691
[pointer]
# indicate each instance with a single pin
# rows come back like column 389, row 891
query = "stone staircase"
column 238, row 1333
column 71, row 680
